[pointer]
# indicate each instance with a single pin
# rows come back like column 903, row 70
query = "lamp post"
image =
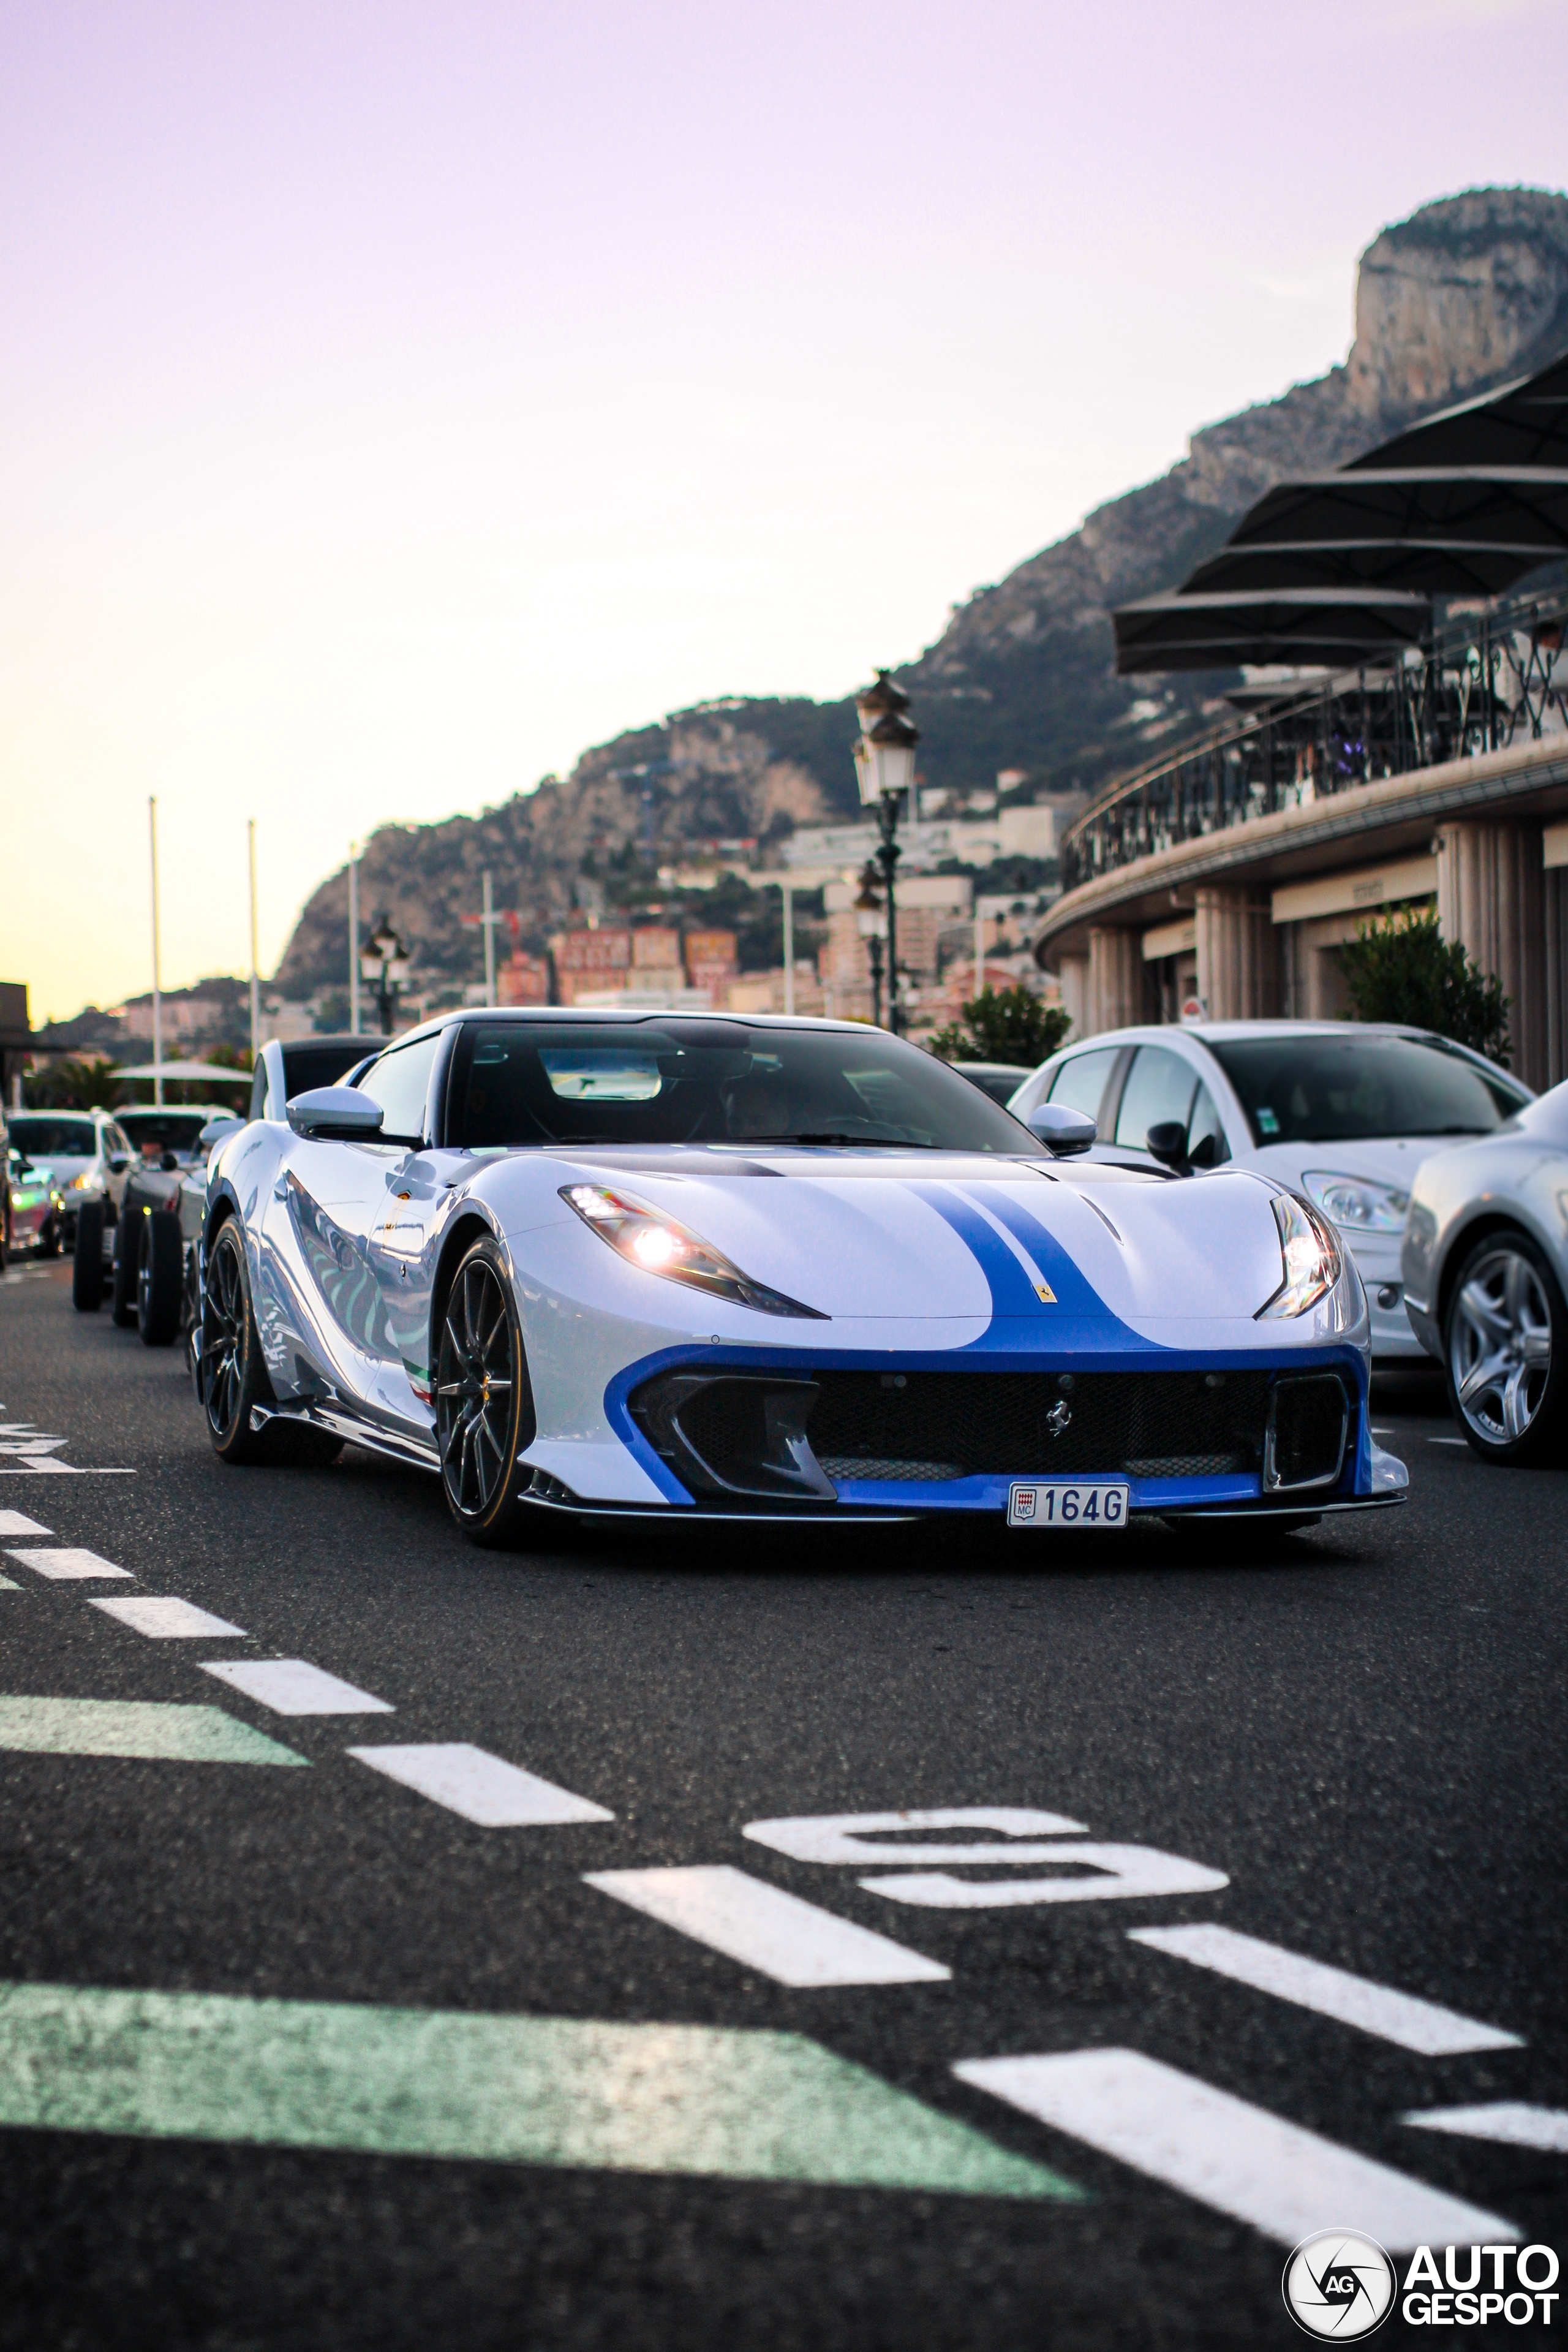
column 384, row 965
column 884, row 763
column 868, row 907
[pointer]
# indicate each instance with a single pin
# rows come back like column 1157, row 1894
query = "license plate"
column 1053, row 1503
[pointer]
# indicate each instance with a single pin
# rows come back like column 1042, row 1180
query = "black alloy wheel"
column 1506, row 1351
column 483, row 1406
column 235, row 1377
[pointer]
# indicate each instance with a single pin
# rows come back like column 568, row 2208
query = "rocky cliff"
column 1463, row 295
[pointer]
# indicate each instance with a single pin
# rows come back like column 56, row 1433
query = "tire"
column 127, row 1253
column 87, row 1270
column 484, row 1405
column 235, row 1377
column 49, row 1241
column 1505, row 1352
column 160, row 1271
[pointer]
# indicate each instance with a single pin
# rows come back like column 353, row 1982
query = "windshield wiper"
column 873, row 1142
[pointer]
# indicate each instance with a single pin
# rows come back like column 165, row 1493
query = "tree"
column 1402, row 969
column 1003, row 1024
column 78, row 1083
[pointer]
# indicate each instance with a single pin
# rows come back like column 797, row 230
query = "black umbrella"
column 1525, row 424
column 1333, row 628
column 1454, row 531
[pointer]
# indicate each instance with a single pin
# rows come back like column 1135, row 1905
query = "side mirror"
column 1064, row 1132
column 168, row 1161
column 1167, row 1144
column 216, row 1130
column 336, row 1115
column 118, row 1163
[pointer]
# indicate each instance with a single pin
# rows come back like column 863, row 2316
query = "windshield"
column 163, row 1131
column 1320, row 1089
column 714, row 1082
column 44, row 1138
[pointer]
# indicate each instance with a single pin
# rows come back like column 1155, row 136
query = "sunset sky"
column 396, row 400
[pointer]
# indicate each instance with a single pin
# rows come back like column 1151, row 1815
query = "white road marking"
column 67, row 1562
column 1448, row 1440
column 765, row 1928
column 481, row 1788
column 294, row 1686
column 9, row 1584
column 1226, row 2153
column 1119, row 1871
column 1507, row 2120
column 842, row 1837
column 1399, row 2016
column 165, row 1619
column 18, row 1523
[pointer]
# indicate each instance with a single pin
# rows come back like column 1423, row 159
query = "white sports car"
column 749, row 1268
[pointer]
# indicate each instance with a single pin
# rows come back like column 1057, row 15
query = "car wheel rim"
column 1499, row 1347
column 223, row 1331
column 474, row 1395
column 144, row 1278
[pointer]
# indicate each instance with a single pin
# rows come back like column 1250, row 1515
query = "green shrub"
column 1402, row 969
column 1003, row 1024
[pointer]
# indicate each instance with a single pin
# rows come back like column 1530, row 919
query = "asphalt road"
column 1361, row 1728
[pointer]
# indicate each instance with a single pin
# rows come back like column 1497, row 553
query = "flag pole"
column 157, row 974
column 353, row 938
column 254, row 974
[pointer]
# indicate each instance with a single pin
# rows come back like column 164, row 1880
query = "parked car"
column 87, row 1154
column 1343, row 1111
column 1001, row 1081
column 36, row 1208
column 536, row 1254
column 1485, row 1278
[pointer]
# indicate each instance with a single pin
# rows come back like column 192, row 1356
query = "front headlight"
column 86, row 1182
column 1311, row 1254
column 1356, row 1204
column 649, row 1239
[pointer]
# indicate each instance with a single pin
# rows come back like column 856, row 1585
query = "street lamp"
column 868, row 907
column 385, row 963
column 884, row 765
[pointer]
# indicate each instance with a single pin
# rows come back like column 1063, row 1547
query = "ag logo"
column 1339, row 2283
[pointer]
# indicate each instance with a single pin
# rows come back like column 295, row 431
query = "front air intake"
column 1309, row 1419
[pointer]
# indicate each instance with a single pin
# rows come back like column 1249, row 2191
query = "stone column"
column 1491, row 899
column 1116, row 979
column 1237, row 959
column 1073, row 972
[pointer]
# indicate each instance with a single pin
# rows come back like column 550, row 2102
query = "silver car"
column 1344, row 1111
column 1485, row 1271
column 87, row 1154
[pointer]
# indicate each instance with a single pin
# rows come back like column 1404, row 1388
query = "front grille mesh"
column 967, row 1425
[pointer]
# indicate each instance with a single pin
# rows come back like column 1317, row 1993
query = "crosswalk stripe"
column 1238, row 2159
column 18, row 1523
column 481, row 1788
column 1512, row 2121
column 139, row 1728
column 1399, row 2017
column 69, row 1561
column 165, row 1618
column 294, row 1686
column 726, row 2103
column 764, row 1928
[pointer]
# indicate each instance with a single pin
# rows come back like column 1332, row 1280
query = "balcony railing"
column 1489, row 679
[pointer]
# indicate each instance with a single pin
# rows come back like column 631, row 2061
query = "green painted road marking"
column 102, row 1727
column 735, row 2104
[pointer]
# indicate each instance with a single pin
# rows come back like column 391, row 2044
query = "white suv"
column 1344, row 1111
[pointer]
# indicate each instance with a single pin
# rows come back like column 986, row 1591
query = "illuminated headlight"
column 1356, row 1203
column 1311, row 1254
column 86, row 1182
column 28, row 1199
column 649, row 1239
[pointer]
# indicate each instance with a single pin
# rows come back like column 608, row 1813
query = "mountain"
column 1465, row 294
